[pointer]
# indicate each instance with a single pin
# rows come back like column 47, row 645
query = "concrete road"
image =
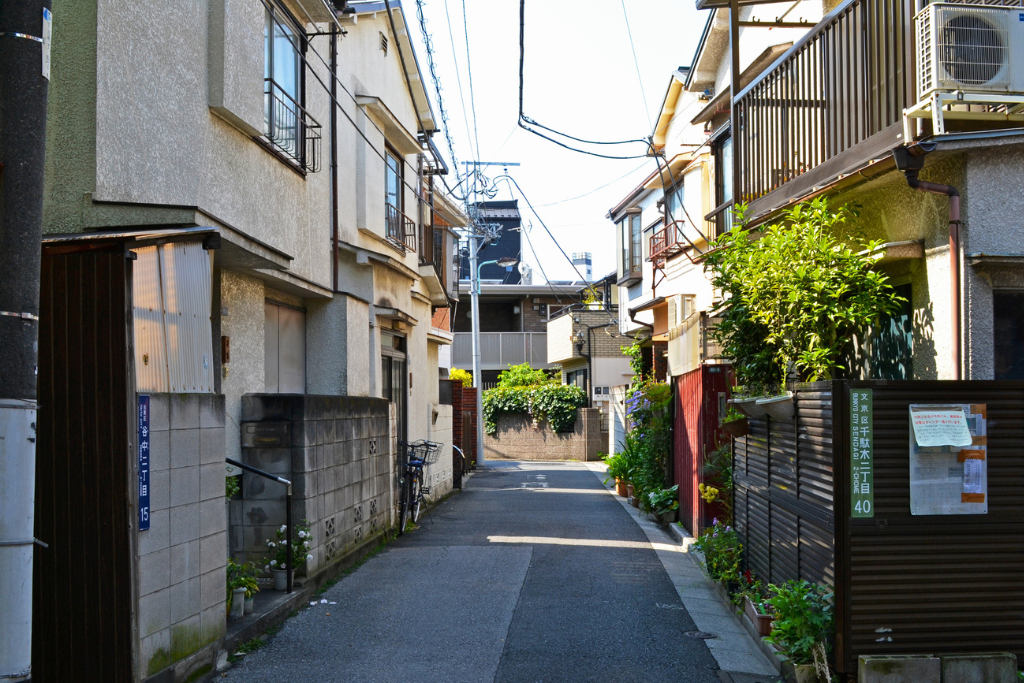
column 533, row 574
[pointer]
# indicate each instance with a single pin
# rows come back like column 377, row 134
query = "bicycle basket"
column 427, row 451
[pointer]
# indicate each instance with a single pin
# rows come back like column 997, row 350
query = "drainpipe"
column 910, row 160
column 334, row 154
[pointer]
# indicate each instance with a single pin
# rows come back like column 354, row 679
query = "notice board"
column 948, row 459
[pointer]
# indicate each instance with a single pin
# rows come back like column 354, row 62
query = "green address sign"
column 862, row 454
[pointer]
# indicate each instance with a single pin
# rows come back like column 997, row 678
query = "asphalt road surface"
column 533, row 574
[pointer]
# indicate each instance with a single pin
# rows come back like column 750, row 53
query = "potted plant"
column 617, row 472
column 722, row 551
column 735, row 422
column 803, row 627
column 241, row 585
column 664, row 504
column 280, row 556
column 753, row 597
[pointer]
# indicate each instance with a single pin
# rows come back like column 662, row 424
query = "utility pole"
column 25, row 65
column 474, row 297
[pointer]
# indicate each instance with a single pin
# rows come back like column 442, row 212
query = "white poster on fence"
column 948, row 459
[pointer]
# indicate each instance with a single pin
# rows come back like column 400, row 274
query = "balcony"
column 400, row 229
column 498, row 350
column 290, row 130
column 831, row 104
column 438, row 265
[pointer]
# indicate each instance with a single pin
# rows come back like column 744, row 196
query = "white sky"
column 580, row 79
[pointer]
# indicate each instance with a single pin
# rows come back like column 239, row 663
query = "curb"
column 769, row 651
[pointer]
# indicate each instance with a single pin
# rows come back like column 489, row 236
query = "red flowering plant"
column 751, row 588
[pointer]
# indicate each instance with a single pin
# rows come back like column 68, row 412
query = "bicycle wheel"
column 417, row 498
column 403, row 502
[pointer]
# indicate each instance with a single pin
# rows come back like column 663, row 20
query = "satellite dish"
column 523, row 268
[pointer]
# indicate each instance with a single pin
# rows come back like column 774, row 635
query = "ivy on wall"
column 521, row 389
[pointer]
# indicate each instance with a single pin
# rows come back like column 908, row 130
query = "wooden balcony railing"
column 832, row 101
column 400, row 228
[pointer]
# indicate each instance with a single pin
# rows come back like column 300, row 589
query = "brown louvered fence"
column 904, row 584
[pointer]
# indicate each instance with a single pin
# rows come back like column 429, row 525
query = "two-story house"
column 880, row 118
column 240, row 205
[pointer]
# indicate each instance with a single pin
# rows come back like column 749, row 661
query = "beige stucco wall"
column 243, row 296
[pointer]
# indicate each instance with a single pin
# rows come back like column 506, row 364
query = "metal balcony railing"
column 289, row 128
column 498, row 350
column 832, row 101
column 399, row 228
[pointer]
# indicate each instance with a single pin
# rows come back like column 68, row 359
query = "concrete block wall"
column 517, row 438
column 183, row 554
column 339, row 460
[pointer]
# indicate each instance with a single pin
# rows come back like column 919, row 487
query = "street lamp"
column 506, row 262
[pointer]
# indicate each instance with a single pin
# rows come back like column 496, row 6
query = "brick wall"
column 183, row 554
column 660, row 359
column 338, row 458
column 464, row 403
column 518, row 439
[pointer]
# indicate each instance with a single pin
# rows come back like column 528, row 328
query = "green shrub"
column 803, row 621
column 795, row 295
column 524, row 376
column 555, row 403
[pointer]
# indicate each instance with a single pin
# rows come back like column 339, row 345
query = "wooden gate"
column 83, row 587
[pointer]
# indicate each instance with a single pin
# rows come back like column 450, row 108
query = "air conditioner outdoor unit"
column 970, row 48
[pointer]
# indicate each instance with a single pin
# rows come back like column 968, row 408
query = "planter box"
column 780, row 407
column 737, row 428
column 762, row 622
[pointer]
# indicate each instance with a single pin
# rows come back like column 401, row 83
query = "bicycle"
column 417, row 455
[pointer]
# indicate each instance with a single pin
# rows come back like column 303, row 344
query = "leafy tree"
column 795, row 295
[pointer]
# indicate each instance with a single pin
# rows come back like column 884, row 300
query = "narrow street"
column 535, row 572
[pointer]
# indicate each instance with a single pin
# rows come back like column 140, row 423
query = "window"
column 398, row 227
column 674, row 206
column 286, row 125
column 632, row 248
column 1008, row 333
column 393, row 377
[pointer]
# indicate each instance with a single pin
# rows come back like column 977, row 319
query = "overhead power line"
column 527, row 124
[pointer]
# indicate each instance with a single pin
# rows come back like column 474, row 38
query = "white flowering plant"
column 302, row 542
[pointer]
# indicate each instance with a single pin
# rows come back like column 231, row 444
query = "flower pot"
column 250, row 604
column 805, row 673
column 667, row 517
column 634, row 501
column 737, row 428
column 762, row 622
column 280, row 579
column 629, row 490
column 621, row 488
column 749, row 407
column 237, row 603
column 779, row 407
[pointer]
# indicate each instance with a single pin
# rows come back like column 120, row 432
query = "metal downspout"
column 334, row 155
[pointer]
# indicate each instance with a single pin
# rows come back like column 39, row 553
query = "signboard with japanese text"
column 143, row 462
column 862, row 454
column 948, row 459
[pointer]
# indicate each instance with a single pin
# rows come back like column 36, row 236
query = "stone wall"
column 336, row 451
column 518, row 439
column 183, row 554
